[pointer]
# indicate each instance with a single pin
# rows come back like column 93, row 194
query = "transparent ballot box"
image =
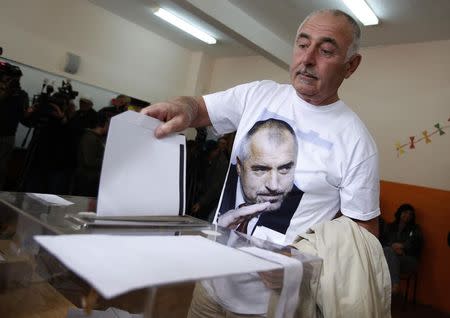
column 54, row 262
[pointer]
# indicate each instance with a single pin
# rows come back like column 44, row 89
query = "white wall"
column 115, row 54
column 227, row 72
column 398, row 91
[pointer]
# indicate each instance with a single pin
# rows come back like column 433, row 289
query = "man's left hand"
column 233, row 218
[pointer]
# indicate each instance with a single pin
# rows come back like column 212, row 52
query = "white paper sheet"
column 141, row 174
column 50, row 199
column 116, row 264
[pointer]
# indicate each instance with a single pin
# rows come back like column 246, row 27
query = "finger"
column 157, row 111
column 252, row 209
column 175, row 124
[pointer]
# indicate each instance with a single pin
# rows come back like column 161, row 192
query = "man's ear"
column 238, row 166
column 352, row 65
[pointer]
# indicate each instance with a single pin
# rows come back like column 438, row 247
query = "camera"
column 45, row 102
column 66, row 90
column 64, row 94
column 9, row 70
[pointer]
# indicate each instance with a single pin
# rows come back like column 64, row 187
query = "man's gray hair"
column 277, row 129
column 356, row 29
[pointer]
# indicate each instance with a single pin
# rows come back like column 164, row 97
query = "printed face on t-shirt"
column 267, row 169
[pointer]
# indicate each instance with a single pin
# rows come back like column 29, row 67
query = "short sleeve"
column 360, row 190
column 225, row 108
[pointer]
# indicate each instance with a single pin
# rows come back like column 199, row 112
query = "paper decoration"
column 399, row 148
column 440, row 130
column 426, row 136
column 411, row 144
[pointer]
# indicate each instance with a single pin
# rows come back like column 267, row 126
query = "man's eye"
column 326, row 52
column 260, row 169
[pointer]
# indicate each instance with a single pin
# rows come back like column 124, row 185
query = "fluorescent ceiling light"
column 185, row 26
column 362, row 11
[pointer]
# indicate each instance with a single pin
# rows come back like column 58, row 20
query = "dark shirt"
column 12, row 111
column 83, row 119
column 111, row 111
column 90, row 158
column 410, row 236
column 215, row 172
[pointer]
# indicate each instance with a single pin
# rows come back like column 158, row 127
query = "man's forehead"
column 272, row 134
column 264, row 143
column 325, row 23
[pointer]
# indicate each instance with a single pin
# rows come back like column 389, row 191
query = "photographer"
column 47, row 167
column 13, row 109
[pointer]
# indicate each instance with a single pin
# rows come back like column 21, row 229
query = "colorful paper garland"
column 400, row 148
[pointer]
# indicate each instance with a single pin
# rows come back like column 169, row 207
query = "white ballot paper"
column 141, row 175
column 115, row 264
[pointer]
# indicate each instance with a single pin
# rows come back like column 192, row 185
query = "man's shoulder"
column 350, row 123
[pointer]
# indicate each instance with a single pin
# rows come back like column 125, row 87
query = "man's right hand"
column 178, row 114
column 233, row 218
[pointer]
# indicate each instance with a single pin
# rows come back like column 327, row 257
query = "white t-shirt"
column 337, row 163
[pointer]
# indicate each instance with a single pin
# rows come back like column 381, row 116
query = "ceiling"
column 268, row 27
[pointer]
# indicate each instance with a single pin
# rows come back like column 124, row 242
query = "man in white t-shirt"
column 325, row 53
column 337, row 166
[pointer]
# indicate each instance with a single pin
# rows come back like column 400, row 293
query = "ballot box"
column 59, row 259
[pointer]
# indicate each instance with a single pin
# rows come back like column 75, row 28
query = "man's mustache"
column 306, row 71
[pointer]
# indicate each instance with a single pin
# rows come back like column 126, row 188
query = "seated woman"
column 403, row 242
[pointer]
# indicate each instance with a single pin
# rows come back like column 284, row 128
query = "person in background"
column 403, row 242
column 89, row 159
column 70, row 110
column 85, row 116
column 194, row 163
column 13, row 109
column 214, row 169
column 119, row 105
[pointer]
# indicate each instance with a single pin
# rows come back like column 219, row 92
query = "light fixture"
column 185, row 26
column 362, row 11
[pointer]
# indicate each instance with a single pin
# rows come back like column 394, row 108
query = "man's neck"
column 313, row 100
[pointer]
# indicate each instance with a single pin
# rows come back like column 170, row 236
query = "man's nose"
column 272, row 181
column 309, row 57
